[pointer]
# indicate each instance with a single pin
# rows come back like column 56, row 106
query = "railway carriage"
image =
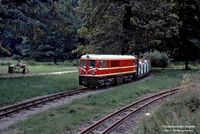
column 144, row 67
column 100, row 70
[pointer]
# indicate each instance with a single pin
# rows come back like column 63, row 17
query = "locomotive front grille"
column 88, row 81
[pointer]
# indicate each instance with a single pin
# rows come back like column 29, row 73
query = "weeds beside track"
column 6, row 111
column 108, row 123
column 33, row 103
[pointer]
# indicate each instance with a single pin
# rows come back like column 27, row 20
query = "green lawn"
column 42, row 68
column 181, row 65
column 39, row 67
column 51, row 68
column 16, row 89
column 65, row 118
column 183, row 110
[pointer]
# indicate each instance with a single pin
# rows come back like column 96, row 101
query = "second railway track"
column 108, row 123
column 6, row 111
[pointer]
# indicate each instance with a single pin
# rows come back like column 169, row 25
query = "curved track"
column 108, row 123
column 6, row 111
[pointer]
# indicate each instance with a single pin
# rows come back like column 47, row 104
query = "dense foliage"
column 38, row 28
column 126, row 27
column 134, row 26
column 43, row 29
column 186, row 45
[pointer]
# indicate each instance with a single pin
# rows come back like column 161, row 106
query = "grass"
column 181, row 65
column 39, row 67
column 93, row 107
column 183, row 110
column 52, row 68
column 17, row 89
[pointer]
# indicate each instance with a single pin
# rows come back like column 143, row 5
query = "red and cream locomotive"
column 100, row 70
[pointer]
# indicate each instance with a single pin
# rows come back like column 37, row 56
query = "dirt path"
column 34, row 74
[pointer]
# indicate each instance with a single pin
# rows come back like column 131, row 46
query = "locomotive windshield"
column 83, row 63
column 92, row 63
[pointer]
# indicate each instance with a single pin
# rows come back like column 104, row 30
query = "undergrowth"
column 180, row 115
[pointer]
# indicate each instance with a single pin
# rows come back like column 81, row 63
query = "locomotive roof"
column 107, row 57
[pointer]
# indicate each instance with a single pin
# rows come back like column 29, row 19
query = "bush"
column 158, row 59
column 70, row 63
column 31, row 62
column 7, row 61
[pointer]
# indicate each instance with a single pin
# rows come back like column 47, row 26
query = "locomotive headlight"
column 81, row 71
column 93, row 72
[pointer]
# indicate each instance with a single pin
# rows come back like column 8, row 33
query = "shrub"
column 192, row 102
column 5, row 63
column 70, row 63
column 158, row 59
column 31, row 62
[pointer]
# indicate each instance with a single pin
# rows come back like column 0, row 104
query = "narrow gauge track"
column 6, row 111
column 16, row 108
column 108, row 123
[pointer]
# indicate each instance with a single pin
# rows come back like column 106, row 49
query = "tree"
column 39, row 28
column 186, row 46
column 126, row 27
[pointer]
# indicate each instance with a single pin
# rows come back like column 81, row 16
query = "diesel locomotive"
column 105, row 70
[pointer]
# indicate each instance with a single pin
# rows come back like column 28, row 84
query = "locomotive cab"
column 87, row 67
column 87, row 72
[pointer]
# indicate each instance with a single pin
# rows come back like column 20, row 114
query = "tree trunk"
column 197, row 5
column 187, row 65
column 127, row 18
column 55, row 60
column 126, row 27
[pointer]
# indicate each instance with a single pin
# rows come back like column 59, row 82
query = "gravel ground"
column 131, row 124
column 23, row 115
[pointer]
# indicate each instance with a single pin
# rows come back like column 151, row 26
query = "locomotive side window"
column 83, row 63
column 114, row 63
column 92, row 63
column 103, row 64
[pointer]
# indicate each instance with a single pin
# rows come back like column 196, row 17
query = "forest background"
column 59, row 30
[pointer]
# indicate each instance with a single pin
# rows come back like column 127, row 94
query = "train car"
column 106, row 70
column 144, row 67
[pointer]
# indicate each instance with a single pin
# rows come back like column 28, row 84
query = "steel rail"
column 134, row 111
column 32, row 103
column 7, row 110
column 98, row 123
